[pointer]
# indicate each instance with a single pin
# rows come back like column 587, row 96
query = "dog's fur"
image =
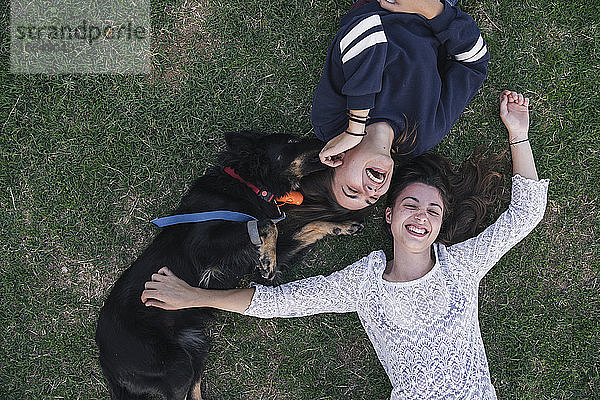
column 147, row 350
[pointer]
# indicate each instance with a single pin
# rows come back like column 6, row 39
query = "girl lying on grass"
column 396, row 78
column 419, row 309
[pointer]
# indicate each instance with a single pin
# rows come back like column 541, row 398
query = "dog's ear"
column 237, row 141
column 309, row 163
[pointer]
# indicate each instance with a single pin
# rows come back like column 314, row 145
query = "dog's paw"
column 267, row 259
column 350, row 228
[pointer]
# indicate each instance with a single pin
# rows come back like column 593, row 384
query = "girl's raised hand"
column 332, row 153
column 514, row 112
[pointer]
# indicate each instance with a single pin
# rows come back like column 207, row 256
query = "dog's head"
column 276, row 161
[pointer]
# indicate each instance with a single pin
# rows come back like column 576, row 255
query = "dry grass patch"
column 184, row 41
column 485, row 20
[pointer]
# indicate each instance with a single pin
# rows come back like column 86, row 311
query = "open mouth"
column 416, row 231
column 376, row 176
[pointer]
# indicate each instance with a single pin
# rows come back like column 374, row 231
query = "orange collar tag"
column 295, row 198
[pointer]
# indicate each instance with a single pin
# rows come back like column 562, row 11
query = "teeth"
column 377, row 179
column 416, row 230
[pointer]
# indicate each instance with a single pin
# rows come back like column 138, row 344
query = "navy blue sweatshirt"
column 409, row 71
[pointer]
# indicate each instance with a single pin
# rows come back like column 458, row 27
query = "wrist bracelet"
column 350, row 115
column 520, row 141
column 360, row 121
column 355, row 134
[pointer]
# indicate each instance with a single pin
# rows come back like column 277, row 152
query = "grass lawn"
column 87, row 160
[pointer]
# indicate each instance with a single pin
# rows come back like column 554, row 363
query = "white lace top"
column 426, row 331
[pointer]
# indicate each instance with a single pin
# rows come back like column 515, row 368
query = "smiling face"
column 361, row 179
column 416, row 217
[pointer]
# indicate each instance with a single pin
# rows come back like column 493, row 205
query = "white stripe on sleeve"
column 371, row 40
column 477, row 56
column 469, row 54
column 359, row 29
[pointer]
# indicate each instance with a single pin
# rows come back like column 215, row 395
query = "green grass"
column 87, row 160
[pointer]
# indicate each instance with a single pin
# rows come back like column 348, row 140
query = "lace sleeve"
column 526, row 210
column 316, row 295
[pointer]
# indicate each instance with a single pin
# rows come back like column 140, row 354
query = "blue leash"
column 225, row 215
column 217, row 215
column 202, row 217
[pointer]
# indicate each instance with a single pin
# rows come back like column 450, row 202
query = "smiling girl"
column 419, row 309
column 397, row 76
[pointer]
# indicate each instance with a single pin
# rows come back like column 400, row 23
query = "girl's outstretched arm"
column 337, row 293
column 528, row 198
column 168, row 292
column 514, row 112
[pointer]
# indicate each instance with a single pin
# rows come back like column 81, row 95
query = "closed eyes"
column 353, row 194
column 430, row 211
column 348, row 192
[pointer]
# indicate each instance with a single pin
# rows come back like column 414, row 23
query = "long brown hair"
column 468, row 192
column 404, row 143
column 319, row 202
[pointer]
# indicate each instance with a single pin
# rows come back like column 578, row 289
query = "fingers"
column 513, row 97
column 147, row 295
column 162, row 290
column 517, row 98
column 156, row 282
column 162, row 274
column 503, row 103
column 510, row 95
column 151, row 298
column 152, row 285
column 151, row 303
column 332, row 160
column 158, row 278
column 323, row 156
column 332, row 163
column 326, row 160
column 156, row 303
column 520, row 100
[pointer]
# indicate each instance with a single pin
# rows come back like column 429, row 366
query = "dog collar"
column 224, row 215
column 262, row 193
column 293, row 197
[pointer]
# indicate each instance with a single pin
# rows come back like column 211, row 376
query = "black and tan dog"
column 145, row 350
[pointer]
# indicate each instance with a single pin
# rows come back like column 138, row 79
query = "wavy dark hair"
column 405, row 143
column 319, row 202
column 468, row 192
